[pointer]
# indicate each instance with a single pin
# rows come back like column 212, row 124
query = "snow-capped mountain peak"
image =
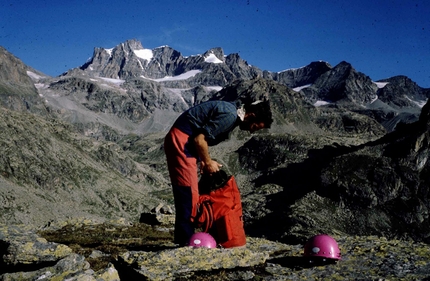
column 212, row 58
column 145, row 54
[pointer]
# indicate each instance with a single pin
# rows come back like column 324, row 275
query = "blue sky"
column 379, row 38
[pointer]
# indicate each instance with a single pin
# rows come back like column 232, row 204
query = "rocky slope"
column 51, row 172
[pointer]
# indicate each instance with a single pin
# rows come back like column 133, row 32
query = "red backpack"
column 219, row 210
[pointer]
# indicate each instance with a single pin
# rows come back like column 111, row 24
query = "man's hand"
column 210, row 168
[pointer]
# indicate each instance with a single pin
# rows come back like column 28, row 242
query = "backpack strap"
column 205, row 217
column 207, row 208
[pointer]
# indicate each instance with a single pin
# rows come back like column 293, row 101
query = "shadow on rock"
column 297, row 180
column 298, row 263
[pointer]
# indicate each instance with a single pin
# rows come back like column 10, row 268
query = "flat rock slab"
column 21, row 245
column 169, row 264
column 27, row 256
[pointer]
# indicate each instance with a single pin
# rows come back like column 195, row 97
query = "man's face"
column 251, row 126
column 256, row 126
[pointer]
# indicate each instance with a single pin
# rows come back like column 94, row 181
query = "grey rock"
column 170, row 264
column 362, row 257
column 72, row 267
column 162, row 215
column 125, row 62
column 21, row 245
column 303, row 76
column 17, row 89
column 401, row 92
column 342, row 85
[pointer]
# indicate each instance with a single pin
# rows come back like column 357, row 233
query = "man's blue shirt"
column 214, row 119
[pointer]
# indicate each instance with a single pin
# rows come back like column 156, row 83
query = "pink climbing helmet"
column 322, row 245
column 202, row 239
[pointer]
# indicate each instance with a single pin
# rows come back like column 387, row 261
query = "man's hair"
column 262, row 112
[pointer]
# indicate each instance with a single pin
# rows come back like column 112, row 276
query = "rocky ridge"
column 131, row 60
column 183, row 81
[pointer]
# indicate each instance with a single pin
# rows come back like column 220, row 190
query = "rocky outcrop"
column 23, row 246
column 389, row 102
column 171, row 264
column 126, row 60
column 13, row 74
column 303, row 76
column 399, row 101
column 389, row 179
column 17, row 90
column 342, row 85
column 375, row 188
column 27, row 256
column 402, row 92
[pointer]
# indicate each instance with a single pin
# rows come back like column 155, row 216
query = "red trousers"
column 184, row 177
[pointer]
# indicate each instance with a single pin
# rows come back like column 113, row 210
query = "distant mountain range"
column 179, row 78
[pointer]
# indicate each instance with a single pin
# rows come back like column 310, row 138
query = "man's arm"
column 208, row 165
